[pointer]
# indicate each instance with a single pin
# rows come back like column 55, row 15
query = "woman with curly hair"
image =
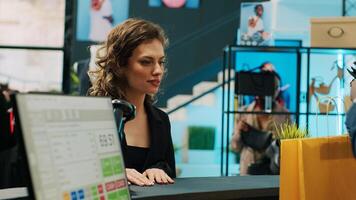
column 130, row 67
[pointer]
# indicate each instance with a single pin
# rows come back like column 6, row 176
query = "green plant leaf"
column 290, row 131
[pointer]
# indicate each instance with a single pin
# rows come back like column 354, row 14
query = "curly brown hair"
column 113, row 56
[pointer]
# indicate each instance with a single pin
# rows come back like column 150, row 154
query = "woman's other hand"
column 158, row 176
column 135, row 177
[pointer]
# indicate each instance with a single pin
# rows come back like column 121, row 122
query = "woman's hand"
column 242, row 126
column 135, row 177
column 158, row 176
column 236, row 137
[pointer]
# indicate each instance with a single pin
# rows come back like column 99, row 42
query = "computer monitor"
column 71, row 147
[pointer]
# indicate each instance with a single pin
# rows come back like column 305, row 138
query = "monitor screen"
column 72, row 147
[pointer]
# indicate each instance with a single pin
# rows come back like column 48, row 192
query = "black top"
column 160, row 154
column 136, row 157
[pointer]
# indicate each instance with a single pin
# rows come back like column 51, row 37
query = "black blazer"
column 161, row 153
column 351, row 126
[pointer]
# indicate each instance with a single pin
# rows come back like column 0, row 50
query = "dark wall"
column 197, row 37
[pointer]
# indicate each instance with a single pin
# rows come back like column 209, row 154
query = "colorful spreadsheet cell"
column 81, row 194
column 117, row 166
column 66, row 196
column 94, row 190
column 112, row 196
column 123, row 194
column 100, row 189
column 73, row 195
column 106, row 167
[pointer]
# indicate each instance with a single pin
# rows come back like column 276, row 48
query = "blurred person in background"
column 254, row 161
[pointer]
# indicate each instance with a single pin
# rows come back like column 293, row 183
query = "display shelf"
column 310, row 63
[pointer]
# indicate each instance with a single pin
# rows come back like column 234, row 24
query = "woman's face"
column 145, row 68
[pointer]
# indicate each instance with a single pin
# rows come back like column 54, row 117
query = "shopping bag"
column 289, row 170
column 317, row 168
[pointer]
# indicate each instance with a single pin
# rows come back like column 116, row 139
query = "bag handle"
column 330, row 99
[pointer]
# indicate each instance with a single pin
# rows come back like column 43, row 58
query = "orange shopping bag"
column 317, row 168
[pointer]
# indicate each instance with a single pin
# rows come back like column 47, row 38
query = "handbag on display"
column 259, row 141
column 256, row 139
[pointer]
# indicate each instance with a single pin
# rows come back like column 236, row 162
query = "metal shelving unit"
column 348, row 7
column 303, row 54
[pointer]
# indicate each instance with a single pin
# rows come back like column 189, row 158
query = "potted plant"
column 283, row 131
column 290, row 131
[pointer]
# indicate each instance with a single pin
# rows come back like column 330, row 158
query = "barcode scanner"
column 123, row 112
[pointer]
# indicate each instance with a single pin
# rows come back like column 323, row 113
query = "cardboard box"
column 333, row 32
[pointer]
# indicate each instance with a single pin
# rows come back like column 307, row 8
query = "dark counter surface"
column 232, row 187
